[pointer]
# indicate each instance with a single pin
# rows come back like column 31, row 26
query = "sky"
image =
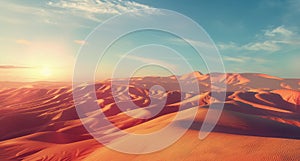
column 41, row 39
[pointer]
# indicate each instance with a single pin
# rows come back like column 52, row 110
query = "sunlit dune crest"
column 260, row 120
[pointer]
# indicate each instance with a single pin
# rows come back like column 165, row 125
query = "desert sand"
column 260, row 120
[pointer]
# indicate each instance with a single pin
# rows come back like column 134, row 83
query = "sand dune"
column 260, row 120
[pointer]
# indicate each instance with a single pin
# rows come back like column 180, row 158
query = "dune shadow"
column 59, row 138
column 256, row 127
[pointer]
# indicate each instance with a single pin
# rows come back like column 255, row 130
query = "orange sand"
column 260, row 121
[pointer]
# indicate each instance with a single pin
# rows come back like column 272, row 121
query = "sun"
column 46, row 72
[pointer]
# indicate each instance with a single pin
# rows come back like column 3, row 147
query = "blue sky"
column 40, row 39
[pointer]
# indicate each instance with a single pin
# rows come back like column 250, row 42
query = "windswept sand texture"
column 260, row 120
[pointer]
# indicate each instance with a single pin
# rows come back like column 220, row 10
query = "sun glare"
column 46, row 71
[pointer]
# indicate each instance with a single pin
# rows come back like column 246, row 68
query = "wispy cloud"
column 279, row 31
column 152, row 61
column 262, row 46
column 228, row 46
column 99, row 6
column 270, row 41
column 80, row 42
column 233, row 59
column 17, row 13
column 91, row 9
column 67, row 12
column 201, row 44
column 23, row 42
column 12, row 67
column 243, row 59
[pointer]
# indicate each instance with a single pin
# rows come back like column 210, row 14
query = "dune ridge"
column 260, row 120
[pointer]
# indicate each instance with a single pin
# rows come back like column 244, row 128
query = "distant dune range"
column 260, row 120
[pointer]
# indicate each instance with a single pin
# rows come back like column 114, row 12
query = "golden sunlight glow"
column 46, row 71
